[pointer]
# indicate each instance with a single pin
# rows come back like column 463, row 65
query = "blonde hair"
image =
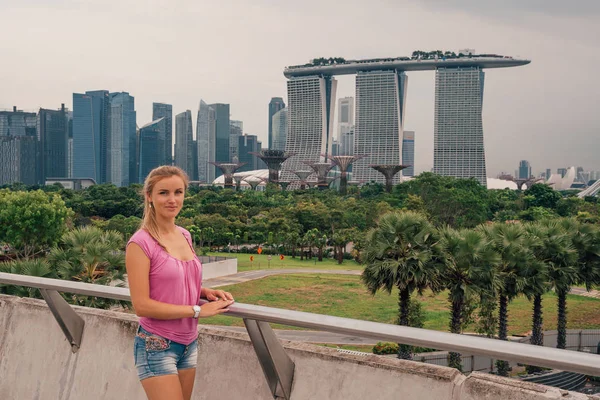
column 157, row 174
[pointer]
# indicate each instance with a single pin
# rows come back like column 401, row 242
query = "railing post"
column 68, row 320
column 276, row 364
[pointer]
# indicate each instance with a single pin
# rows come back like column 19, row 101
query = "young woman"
column 165, row 281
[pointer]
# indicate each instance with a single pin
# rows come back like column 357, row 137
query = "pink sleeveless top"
column 172, row 281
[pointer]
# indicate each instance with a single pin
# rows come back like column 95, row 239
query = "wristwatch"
column 197, row 310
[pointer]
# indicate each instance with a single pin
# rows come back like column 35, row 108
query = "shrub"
column 385, row 348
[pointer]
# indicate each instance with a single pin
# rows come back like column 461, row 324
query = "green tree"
column 459, row 203
column 585, row 239
column 541, row 195
column 553, row 250
column 340, row 239
column 92, row 256
column 320, row 243
column 32, row 221
column 469, row 262
column 310, row 239
column 537, row 213
column 401, row 251
column 126, row 226
column 510, row 242
column 38, row 267
column 569, row 206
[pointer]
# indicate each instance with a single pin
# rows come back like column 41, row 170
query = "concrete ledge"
column 321, row 373
column 36, row 362
column 219, row 268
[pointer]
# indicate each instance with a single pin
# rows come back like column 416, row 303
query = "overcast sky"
column 234, row 51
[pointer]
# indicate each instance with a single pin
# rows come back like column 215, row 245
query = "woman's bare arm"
column 138, row 271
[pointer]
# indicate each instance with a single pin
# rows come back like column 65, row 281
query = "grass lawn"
column 345, row 296
column 262, row 262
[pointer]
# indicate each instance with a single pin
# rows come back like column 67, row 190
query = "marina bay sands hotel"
column 381, row 86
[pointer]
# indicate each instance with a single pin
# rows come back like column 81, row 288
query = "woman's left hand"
column 213, row 295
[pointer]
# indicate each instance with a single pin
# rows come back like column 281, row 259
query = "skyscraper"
column 310, row 121
column 524, row 170
column 561, row 171
column 194, row 176
column 346, row 126
column 121, row 162
column 161, row 110
column 91, row 135
column 458, row 130
column 275, row 105
column 279, row 129
column 248, row 144
column 151, row 147
column 222, row 132
column 380, row 103
column 205, row 138
column 408, row 153
column 346, row 111
column 236, row 130
column 18, row 147
column 53, row 136
column 346, row 140
column 70, row 144
column 548, row 173
column 260, row 164
column 184, row 141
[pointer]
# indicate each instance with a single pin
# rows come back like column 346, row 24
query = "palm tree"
column 32, row 267
column 511, row 244
column 469, row 262
column 90, row 255
column 401, row 251
column 585, row 270
column 552, row 249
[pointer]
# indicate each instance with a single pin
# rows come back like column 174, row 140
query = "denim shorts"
column 156, row 356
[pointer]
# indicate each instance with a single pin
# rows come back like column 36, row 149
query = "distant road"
column 307, row 336
column 252, row 275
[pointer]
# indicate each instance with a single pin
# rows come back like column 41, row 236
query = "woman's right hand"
column 214, row 308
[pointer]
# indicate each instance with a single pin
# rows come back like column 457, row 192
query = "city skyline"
column 519, row 105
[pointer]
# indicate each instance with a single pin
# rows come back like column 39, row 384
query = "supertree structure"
column 303, row 175
column 238, row 178
column 322, row 170
column 284, row 184
column 528, row 181
column 343, row 162
column 273, row 159
column 389, row 171
column 254, row 181
column 228, row 169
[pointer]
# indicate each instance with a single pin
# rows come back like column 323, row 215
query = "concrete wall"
column 219, row 268
column 36, row 362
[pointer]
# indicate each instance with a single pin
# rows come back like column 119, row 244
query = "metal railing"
column 278, row 367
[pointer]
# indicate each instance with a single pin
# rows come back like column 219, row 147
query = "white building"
column 311, row 101
column 380, row 104
column 458, row 130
